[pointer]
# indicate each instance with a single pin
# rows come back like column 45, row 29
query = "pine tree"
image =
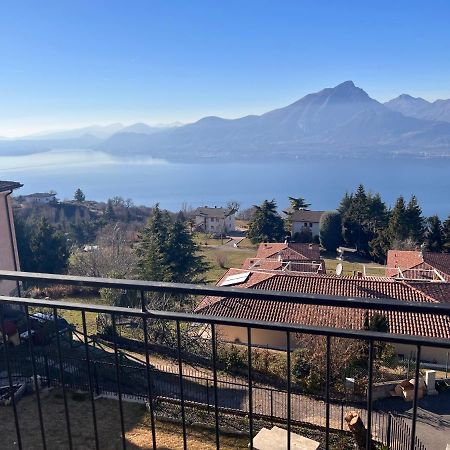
column 79, row 196
column 398, row 222
column 184, row 262
column 415, row 221
column 446, row 234
column 152, row 248
column 434, row 235
column 266, row 225
column 48, row 248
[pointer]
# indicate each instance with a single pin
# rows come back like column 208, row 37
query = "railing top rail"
column 383, row 304
column 218, row 320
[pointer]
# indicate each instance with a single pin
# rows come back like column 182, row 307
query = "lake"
column 322, row 182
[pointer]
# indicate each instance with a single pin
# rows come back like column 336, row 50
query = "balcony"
column 91, row 385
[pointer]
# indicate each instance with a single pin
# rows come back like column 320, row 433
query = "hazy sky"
column 75, row 62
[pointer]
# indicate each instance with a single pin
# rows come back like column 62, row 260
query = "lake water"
column 321, row 181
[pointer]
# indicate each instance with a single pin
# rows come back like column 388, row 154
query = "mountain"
column 343, row 119
column 97, row 131
column 420, row 108
column 143, row 128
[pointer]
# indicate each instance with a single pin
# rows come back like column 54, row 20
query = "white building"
column 39, row 198
column 215, row 220
column 306, row 220
column 9, row 258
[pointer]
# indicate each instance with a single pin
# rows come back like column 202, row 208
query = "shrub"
column 330, row 229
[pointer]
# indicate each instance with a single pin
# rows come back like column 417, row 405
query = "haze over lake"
column 148, row 181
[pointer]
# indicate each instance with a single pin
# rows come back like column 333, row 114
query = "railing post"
column 97, row 389
column 207, row 393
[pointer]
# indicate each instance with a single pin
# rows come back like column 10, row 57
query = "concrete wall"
column 9, row 259
column 277, row 340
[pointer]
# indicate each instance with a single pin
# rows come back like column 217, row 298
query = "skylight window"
column 236, row 279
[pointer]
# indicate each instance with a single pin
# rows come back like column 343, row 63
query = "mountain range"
column 343, row 120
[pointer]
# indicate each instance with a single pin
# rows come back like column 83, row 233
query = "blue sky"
column 69, row 63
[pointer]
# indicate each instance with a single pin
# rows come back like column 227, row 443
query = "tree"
column 41, row 247
column 380, row 245
column 398, row 222
column 298, row 203
column 446, row 234
column 112, row 256
column 330, row 230
column 167, row 252
column 79, row 196
column 434, row 234
column 303, row 236
column 266, row 225
column 151, row 249
column 110, row 214
column 233, row 206
column 415, row 221
column 185, row 264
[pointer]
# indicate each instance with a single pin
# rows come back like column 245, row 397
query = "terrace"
column 203, row 408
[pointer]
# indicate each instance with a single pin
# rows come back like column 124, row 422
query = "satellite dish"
column 339, row 268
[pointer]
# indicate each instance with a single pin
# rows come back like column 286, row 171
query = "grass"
column 246, row 243
column 205, row 240
column 228, row 258
column 137, row 426
column 353, row 264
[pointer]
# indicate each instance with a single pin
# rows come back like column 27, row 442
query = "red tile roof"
column 369, row 287
column 288, row 251
column 419, row 262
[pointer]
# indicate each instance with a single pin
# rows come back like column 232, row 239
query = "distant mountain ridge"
column 438, row 110
column 339, row 121
column 334, row 120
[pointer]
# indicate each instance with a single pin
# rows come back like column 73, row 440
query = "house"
column 39, row 198
column 305, row 220
column 296, row 257
column 215, row 220
column 9, row 258
column 327, row 316
column 418, row 265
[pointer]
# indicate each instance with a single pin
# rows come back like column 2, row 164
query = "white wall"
column 298, row 226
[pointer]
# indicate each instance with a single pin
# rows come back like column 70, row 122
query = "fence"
column 284, row 405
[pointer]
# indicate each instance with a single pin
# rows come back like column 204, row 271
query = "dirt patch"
column 137, row 426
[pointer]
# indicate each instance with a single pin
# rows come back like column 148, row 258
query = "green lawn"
column 203, row 239
column 372, row 268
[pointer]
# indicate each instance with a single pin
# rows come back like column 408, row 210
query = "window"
column 310, row 225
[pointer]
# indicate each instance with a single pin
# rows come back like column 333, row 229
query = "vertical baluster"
column 369, row 398
column 118, row 378
column 250, row 387
column 327, row 395
column 216, row 396
column 91, row 388
column 289, row 408
column 416, row 393
column 148, row 371
column 35, row 377
column 180, row 374
column 11, row 386
column 61, row 376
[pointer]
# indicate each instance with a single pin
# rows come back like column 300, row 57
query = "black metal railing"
column 120, row 379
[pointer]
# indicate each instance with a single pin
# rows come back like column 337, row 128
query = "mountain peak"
column 346, row 85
